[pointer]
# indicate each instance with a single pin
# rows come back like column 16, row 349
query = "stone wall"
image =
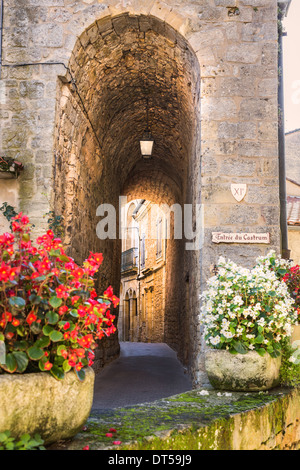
column 74, row 116
column 201, row 420
column 292, row 150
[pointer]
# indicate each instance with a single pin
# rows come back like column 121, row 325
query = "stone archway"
column 116, row 65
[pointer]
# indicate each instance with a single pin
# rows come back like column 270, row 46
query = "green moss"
column 187, row 421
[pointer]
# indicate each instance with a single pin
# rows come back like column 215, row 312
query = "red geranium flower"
column 31, row 318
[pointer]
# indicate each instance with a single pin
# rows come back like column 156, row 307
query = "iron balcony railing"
column 129, row 259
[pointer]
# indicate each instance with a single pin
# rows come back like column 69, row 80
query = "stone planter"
column 241, row 372
column 38, row 403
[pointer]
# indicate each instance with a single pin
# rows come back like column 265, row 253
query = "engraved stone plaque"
column 238, row 191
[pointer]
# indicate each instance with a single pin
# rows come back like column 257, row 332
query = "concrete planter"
column 38, row 403
column 241, row 372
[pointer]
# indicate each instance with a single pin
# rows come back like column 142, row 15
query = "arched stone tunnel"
column 117, row 64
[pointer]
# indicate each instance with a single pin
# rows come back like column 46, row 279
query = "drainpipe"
column 285, row 252
column 1, row 33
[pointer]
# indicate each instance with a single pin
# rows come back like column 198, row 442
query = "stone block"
column 256, row 3
column 218, row 109
column 232, row 31
column 257, row 149
column 19, row 55
column 226, row 3
column 14, row 138
column 236, row 86
column 47, row 35
column 244, row 53
column 268, row 167
column 269, row 215
column 265, row 14
column 206, row 38
column 241, row 167
column 268, row 131
column 268, row 87
column 262, row 195
column 258, row 71
column 59, row 15
column 259, row 32
column 270, row 55
column 252, row 109
column 32, row 89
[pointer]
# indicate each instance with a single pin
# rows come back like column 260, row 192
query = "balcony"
column 129, row 260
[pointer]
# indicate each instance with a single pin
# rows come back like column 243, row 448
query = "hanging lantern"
column 146, row 144
column 147, row 141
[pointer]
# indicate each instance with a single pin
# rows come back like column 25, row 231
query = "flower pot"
column 38, row 403
column 241, row 372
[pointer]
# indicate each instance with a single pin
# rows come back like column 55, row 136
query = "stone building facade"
column 143, row 276
column 292, row 149
column 75, row 76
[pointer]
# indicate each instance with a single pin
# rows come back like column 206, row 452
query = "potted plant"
column 51, row 319
column 247, row 315
column 292, row 280
column 290, row 274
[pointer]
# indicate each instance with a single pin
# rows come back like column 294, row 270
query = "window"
column 143, row 251
column 159, row 238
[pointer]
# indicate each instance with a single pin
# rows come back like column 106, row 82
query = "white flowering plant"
column 248, row 309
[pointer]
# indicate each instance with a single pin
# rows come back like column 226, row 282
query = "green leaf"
column 259, row 339
column 56, row 336
column 42, row 363
column 66, row 366
column 55, row 302
column 57, row 372
column 35, row 353
column 63, row 258
column 42, row 342
column 22, row 361
column 20, row 331
column 52, row 318
column 10, row 364
column 36, row 328
column 232, row 351
column 281, row 271
column 55, row 253
column 261, row 351
column 59, row 360
column 80, row 374
column 272, row 293
column 40, row 278
column 21, row 345
column 17, row 302
column 275, row 353
column 61, row 347
column 47, row 330
column 35, row 299
column 240, row 348
column 74, row 313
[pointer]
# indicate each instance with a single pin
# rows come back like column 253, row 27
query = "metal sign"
column 223, row 237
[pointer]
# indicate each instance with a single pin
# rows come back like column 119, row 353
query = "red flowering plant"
column 292, row 280
column 50, row 314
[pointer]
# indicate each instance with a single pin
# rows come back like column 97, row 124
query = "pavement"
column 144, row 372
